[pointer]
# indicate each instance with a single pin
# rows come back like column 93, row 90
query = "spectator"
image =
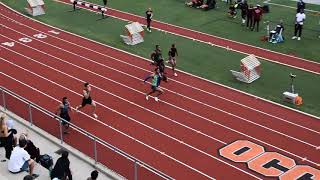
column 257, row 14
column 275, row 35
column 32, row 150
column 105, row 3
column 300, row 5
column 232, row 10
column 7, row 138
column 20, row 159
column 94, row 175
column 319, row 29
column 28, row 177
column 210, row 4
column 195, row 3
column 61, row 169
column 300, row 17
column 250, row 16
column 244, row 11
column 149, row 15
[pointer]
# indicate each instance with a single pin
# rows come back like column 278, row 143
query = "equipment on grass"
column 135, row 34
column 250, row 69
column 291, row 96
column 35, row 7
column 102, row 9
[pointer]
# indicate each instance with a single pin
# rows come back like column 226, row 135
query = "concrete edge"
column 98, row 166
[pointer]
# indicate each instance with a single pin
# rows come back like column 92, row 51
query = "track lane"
column 281, row 142
column 301, row 118
column 293, row 116
column 133, row 128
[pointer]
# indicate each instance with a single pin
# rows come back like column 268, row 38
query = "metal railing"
column 119, row 161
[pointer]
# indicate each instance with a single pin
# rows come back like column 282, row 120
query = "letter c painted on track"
column 301, row 172
column 241, row 151
column 271, row 164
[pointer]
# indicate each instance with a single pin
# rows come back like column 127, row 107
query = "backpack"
column 46, row 161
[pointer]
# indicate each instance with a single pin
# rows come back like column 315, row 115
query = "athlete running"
column 63, row 112
column 155, row 84
column 173, row 52
column 87, row 100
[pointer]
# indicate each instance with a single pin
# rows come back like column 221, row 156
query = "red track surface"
column 180, row 135
column 234, row 45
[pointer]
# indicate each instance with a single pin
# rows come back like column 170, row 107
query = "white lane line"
column 149, row 146
column 287, row 121
column 209, row 120
column 132, row 119
column 244, row 119
column 120, row 50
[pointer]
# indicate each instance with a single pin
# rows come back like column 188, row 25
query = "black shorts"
column 154, row 88
column 86, row 101
column 65, row 117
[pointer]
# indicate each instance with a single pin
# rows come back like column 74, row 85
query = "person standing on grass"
column 105, row 3
column 250, row 16
column 155, row 84
column 173, row 52
column 87, row 100
column 257, row 14
column 149, row 15
column 63, row 112
column 244, row 11
column 300, row 17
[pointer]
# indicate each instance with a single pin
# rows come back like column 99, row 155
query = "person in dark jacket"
column 250, row 16
column 300, row 5
column 257, row 15
column 244, row 11
column 61, row 169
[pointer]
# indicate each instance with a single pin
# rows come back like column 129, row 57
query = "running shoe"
column 95, row 115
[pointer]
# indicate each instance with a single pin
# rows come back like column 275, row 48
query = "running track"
column 284, row 59
column 180, row 135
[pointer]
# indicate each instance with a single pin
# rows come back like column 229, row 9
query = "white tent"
column 135, row 34
column 36, row 7
column 250, row 69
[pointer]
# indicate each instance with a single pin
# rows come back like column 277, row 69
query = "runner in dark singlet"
column 156, row 56
column 173, row 52
column 87, row 100
column 63, row 112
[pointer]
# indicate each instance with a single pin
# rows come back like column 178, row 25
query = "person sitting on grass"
column 195, row 3
column 210, row 4
column 20, row 159
column 232, row 10
column 275, row 35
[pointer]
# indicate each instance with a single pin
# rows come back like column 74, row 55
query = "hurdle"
column 102, row 9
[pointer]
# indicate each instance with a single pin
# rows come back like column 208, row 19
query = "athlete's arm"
column 148, row 77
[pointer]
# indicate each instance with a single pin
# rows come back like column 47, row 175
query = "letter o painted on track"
column 241, row 151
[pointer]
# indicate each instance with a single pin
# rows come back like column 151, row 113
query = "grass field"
column 201, row 59
column 216, row 22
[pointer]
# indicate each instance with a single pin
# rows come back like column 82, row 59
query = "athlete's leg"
column 94, row 107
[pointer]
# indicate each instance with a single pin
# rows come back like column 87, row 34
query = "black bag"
column 46, row 161
column 33, row 151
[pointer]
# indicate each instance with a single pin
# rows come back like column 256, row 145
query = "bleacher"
column 80, row 165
